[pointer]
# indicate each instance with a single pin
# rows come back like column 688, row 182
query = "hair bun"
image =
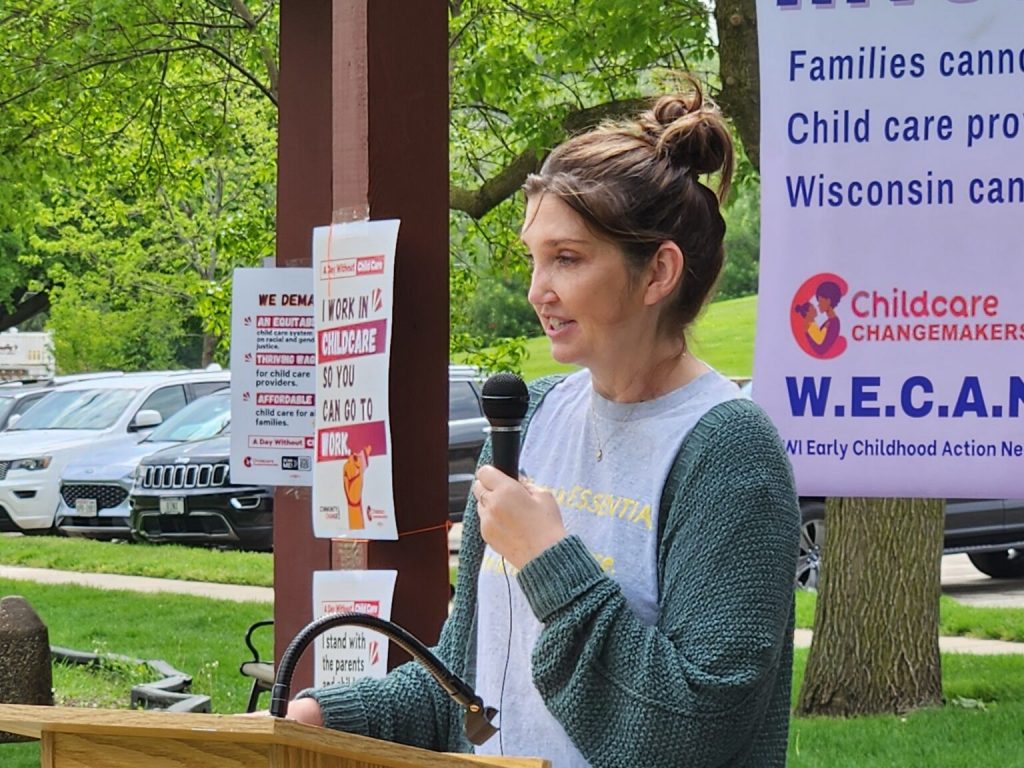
column 668, row 109
column 693, row 133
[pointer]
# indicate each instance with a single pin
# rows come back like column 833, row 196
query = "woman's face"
column 580, row 288
column 824, row 304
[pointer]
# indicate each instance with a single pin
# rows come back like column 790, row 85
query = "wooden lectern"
column 109, row 738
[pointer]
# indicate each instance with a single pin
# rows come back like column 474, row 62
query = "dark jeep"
column 184, row 494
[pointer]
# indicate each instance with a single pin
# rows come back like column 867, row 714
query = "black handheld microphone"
column 505, row 401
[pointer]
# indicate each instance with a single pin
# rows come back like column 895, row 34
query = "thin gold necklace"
column 601, row 444
column 599, row 453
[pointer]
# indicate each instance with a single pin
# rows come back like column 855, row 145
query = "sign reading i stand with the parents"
column 351, row 652
column 353, row 495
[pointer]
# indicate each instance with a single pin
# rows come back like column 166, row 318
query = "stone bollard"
column 25, row 673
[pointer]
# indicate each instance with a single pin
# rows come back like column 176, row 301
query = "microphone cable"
column 508, row 653
column 505, row 400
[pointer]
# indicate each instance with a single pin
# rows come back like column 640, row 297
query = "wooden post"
column 364, row 129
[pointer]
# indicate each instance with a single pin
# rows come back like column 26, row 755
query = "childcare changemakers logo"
column 825, row 314
column 814, row 317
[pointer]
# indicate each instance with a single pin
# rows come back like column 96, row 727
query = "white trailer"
column 26, row 355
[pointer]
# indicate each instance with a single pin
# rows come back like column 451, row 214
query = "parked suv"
column 989, row 531
column 16, row 397
column 184, row 494
column 467, row 430
column 94, row 490
column 79, row 418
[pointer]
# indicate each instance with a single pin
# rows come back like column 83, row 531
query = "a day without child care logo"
column 814, row 317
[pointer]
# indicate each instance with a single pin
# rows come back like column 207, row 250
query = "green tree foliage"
column 162, row 114
column 742, row 243
column 499, row 308
column 523, row 76
column 107, row 327
column 146, row 132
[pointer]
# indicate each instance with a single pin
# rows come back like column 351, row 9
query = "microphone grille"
column 505, row 397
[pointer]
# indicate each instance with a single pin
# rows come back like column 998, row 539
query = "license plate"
column 172, row 505
column 85, row 507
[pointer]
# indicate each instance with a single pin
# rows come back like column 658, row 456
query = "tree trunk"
column 876, row 646
column 738, row 67
column 209, row 347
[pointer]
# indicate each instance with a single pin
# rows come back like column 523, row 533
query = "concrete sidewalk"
column 233, row 592
column 266, row 595
column 802, row 639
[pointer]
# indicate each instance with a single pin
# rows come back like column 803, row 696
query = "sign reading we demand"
column 891, row 306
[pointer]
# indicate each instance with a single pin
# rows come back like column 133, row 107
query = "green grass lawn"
column 199, row 636
column 982, row 724
column 165, row 561
column 256, row 569
column 723, row 337
column 955, row 619
column 983, row 728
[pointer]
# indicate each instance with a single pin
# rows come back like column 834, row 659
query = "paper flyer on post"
column 273, row 363
column 353, row 494
column 889, row 325
column 349, row 653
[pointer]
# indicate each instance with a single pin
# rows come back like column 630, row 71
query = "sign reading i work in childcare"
column 352, row 480
column 890, row 313
column 273, row 361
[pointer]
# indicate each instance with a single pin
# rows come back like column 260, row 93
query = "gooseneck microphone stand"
column 477, row 722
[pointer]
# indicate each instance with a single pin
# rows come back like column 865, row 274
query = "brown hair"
column 636, row 183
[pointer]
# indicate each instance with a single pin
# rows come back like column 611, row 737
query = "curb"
column 233, row 592
column 802, row 637
column 972, row 645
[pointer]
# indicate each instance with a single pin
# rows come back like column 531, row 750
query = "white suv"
column 77, row 419
column 94, row 489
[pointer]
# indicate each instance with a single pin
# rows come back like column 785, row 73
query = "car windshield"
column 6, row 404
column 77, row 409
column 206, row 417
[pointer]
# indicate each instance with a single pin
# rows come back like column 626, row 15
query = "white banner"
column 273, row 361
column 350, row 653
column 353, row 495
column 889, row 330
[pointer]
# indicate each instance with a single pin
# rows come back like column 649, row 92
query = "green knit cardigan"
column 708, row 685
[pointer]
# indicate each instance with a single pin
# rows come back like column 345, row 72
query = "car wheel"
column 1007, row 564
column 812, row 540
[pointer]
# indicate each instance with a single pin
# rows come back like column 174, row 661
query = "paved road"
column 963, row 582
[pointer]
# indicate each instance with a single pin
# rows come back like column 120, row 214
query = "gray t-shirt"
column 611, row 503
